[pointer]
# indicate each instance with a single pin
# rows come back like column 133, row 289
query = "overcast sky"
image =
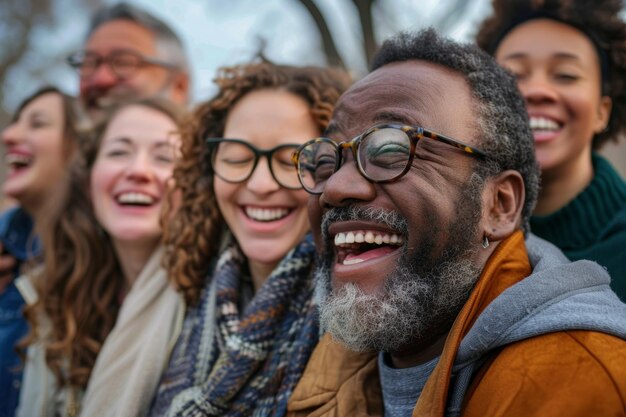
column 218, row 33
column 222, row 33
column 225, row 32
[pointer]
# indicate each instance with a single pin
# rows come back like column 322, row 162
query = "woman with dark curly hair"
column 570, row 61
column 238, row 245
column 102, row 312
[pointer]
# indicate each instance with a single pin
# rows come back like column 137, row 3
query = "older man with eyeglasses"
column 130, row 54
column 435, row 298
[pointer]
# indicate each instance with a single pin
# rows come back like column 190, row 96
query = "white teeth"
column 367, row 237
column 17, row 160
column 265, row 214
column 542, row 123
column 352, row 261
column 104, row 102
column 135, row 198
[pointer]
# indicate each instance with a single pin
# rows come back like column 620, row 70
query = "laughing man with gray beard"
column 436, row 299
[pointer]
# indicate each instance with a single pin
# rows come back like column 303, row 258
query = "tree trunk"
column 328, row 43
column 364, row 8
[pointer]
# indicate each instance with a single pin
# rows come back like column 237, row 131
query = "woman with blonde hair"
column 238, row 246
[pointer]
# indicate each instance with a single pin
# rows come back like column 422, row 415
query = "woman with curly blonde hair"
column 238, row 245
column 569, row 57
column 102, row 312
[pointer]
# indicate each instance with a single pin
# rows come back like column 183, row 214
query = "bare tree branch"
column 19, row 19
column 328, row 42
column 364, row 8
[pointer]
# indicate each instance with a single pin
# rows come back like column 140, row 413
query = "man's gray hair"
column 169, row 46
column 503, row 127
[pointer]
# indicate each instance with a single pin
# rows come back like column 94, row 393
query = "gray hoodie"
column 559, row 295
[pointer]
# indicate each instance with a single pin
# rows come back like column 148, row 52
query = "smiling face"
column 558, row 73
column 104, row 87
column 35, row 154
column 266, row 219
column 399, row 255
column 130, row 175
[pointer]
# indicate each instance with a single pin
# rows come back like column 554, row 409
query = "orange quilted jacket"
column 565, row 373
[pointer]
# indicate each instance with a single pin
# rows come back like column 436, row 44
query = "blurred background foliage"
column 37, row 35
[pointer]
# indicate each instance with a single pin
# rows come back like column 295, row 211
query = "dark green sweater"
column 593, row 225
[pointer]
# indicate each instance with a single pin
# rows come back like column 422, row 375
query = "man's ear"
column 180, row 88
column 503, row 201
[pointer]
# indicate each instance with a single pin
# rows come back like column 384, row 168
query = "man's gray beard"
column 419, row 296
column 402, row 311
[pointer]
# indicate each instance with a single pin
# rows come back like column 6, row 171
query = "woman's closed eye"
column 519, row 76
column 234, row 160
column 284, row 159
column 165, row 158
column 566, row 77
column 116, row 152
column 38, row 122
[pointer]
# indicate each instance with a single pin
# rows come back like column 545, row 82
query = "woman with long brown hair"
column 102, row 311
column 39, row 142
column 238, row 246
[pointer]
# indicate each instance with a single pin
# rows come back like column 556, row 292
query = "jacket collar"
column 337, row 381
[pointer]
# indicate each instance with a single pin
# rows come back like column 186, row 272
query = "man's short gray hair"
column 504, row 131
column 169, row 46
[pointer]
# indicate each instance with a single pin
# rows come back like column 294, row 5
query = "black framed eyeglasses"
column 123, row 63
column 383, row 154
column 234, row 161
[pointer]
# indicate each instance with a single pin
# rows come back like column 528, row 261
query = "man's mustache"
column 390, row 218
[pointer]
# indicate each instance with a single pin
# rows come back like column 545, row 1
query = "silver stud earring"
column 485, row 242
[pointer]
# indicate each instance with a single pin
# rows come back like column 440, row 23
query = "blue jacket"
column 15, row 234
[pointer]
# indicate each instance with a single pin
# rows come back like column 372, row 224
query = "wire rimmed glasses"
column 234, row 161
column 123, row 63
column 383, row 154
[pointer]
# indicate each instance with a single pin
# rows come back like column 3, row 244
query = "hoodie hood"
column 559, row 295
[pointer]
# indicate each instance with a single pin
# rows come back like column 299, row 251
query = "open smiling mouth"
column 135, row 199
column 543, row 125
column 266, row 214
column 362, row 245
column 18, row 162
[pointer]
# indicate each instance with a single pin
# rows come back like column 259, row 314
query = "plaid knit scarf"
column 258, row 356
